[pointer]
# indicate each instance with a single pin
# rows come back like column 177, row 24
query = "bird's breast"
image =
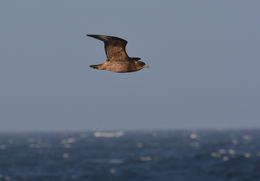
column 120, row 66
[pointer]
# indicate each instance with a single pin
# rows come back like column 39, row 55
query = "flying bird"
column 117, row 58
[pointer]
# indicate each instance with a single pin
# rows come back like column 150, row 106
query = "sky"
column 204, row 65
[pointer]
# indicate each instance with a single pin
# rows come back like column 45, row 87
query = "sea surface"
column 180, row 155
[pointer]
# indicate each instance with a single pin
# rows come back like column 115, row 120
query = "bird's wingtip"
column 91, row 35
column 94, row 35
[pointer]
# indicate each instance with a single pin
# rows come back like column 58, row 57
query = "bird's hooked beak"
column 146, row 66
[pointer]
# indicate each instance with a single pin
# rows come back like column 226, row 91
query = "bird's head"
column 139, row 64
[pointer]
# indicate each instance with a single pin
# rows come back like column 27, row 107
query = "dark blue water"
column 131, row 155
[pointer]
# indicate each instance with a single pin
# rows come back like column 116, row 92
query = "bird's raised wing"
column 114, row 47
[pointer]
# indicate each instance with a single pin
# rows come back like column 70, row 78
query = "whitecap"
column 193, row 136
column 109, row 134
column 68, row 140
column 195, row 144
column 2, row 147
column 247, row 137
column 235, row 142
column 215, row 155
column 65, row 155
column 145, row 158
column 116, row 161
column 222, row 151
column 247, row 155
column 139, row 145
column 231, row 152
column 113, row 171
column 67, row 146
column 225, row 158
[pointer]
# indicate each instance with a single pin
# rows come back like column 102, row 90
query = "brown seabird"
column 117, row 58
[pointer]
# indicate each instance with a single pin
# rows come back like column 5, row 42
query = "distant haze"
column 203, row 55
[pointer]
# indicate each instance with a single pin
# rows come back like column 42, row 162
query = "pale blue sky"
column 204, row 58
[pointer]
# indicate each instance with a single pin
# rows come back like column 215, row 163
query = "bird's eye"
column 141, row 63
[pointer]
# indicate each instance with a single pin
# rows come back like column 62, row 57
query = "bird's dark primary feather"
column 114, row 47
column 106, row 38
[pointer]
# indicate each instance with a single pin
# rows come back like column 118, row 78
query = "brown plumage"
column 117, row 58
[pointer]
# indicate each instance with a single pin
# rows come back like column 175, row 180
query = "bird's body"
column 118, row 66
column 117, row 58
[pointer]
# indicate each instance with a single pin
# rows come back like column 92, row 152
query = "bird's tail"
column 94, row 66
column 100, row 67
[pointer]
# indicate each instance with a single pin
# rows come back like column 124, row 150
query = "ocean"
column 177, row 155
